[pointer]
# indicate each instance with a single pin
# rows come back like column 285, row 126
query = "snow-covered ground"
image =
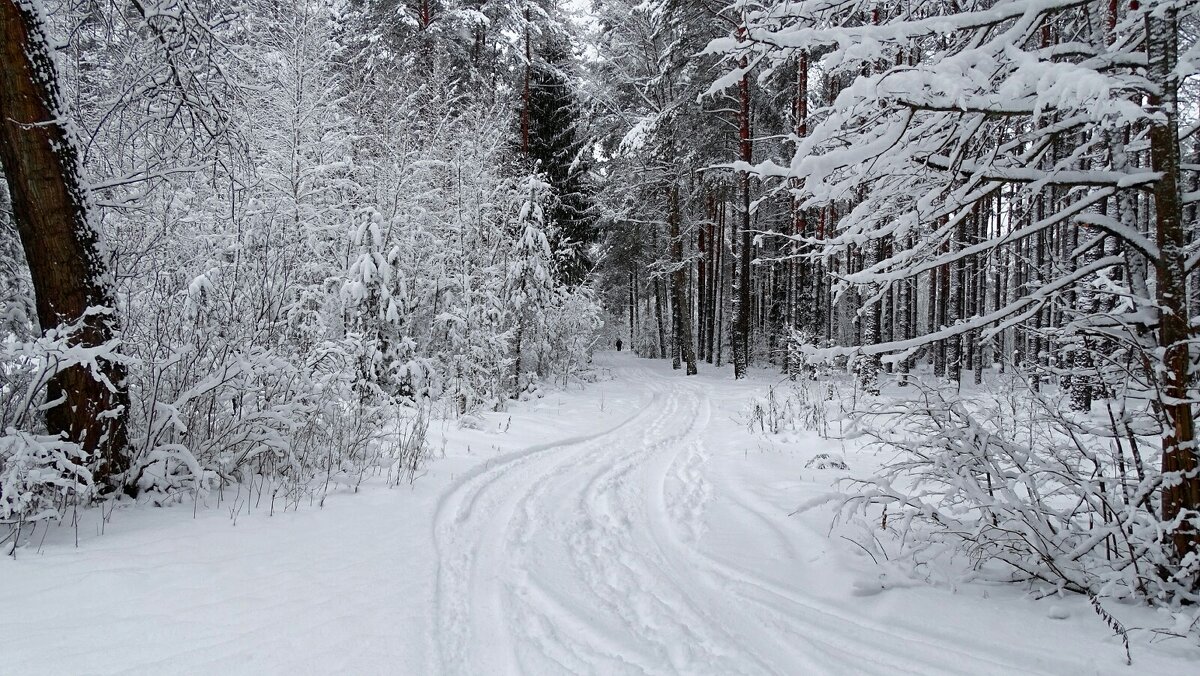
column 634, row 526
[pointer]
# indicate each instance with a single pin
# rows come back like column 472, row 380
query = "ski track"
column 585, row 556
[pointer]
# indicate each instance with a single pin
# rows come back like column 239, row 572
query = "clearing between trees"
column 632, row 526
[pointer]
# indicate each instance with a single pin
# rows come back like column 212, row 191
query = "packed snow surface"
column 633, row 526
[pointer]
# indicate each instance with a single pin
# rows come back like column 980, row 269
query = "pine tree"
column 558, row 149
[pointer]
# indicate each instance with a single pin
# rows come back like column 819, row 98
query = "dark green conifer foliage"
column 558, row 148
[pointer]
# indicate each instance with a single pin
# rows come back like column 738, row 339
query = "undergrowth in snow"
column 633, row 524
column 953, row 485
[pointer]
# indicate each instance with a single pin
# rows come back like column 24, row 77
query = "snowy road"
column 587, row 557
column 631, row 527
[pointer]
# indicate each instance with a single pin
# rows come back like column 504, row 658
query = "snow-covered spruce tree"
column 558, row 148
column 531, row 285
column 1034, row 134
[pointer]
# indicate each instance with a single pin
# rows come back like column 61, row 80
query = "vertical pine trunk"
column 978, row 273
column 62, row 246
column 835, row 269
column 663, row 353
column 1038, row 353
column 526, row 99
column 954, row 307
column 887, row 310
column 716, row 239
column 800, row 304
column 742, row 278
column 632, row 309
column 941, row 314
column 701, row 284
column 1015, row 349
column 1181, row 494
column 868, row 365
column 659, row 300
column 676, row 284
column 1081, row 357
column 905, row 312
column 685, row 347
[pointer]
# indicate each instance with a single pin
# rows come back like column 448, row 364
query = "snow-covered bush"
column 573, row 323
column 311, row 261
column 531, row 287
column 40, row 475
column 794, row 406
column 1024, row 491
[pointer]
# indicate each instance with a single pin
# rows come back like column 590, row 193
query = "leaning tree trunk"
column 1181, row 491
column 61, row 244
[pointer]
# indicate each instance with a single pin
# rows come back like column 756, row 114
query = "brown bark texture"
column 61, row 245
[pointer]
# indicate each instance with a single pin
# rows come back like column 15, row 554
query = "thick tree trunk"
column 1181, row 492
column 953, row 309
column 61, row 245
column 1081, row 358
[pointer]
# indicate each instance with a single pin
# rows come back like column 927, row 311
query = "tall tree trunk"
column 526, row 97
column 941, row 314
column 954, row 351
column 976, row 274
column 716, row 332
column 801, row 308
column 632, row 308
column 742, row 279
column 701, row 284
column 685, row 347
column 714, row 255
column 1181, row 492
column 62, row 246
column 721, row 315
column 868, row 365
column 905, row 312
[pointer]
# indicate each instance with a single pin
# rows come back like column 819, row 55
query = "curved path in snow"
column 586, row 556
column 659, row 544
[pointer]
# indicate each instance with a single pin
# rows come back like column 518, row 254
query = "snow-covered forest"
column 668, row 336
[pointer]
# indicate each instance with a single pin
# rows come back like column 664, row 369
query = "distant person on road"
column 618, row 345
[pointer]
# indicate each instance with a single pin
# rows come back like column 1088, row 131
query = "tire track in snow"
column 839, row 641
column 584, row 556
column 470, row 517
column 580, row 506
